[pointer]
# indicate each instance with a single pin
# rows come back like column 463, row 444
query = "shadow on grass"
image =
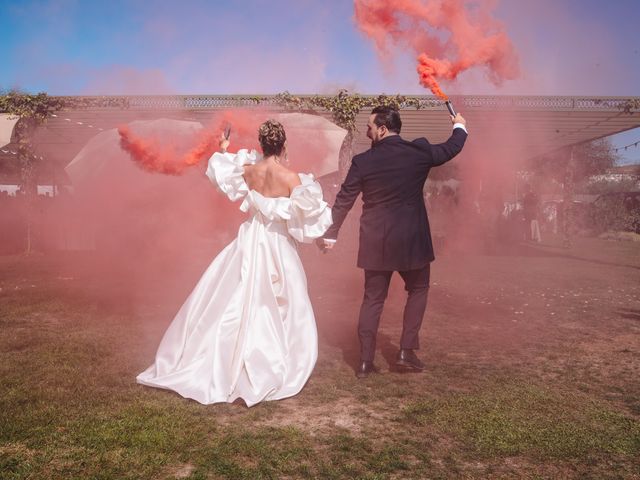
column 629, row 313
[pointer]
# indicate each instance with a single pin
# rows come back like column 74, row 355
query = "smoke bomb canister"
column 450, row 107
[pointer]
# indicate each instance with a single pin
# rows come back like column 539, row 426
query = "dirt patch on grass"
column 177, row 471
column 345, row 413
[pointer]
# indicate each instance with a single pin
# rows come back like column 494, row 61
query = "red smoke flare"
column 475, row 38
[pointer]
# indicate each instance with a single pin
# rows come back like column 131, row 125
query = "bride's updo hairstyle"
column 272, row 137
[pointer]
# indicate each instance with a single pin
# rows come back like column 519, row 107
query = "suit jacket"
column 394, row 228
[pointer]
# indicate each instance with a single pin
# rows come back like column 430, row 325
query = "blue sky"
column 566, row 47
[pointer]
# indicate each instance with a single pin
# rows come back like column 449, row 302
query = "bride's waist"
column 275, row 223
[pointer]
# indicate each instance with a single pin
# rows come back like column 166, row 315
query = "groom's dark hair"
column 389, row 117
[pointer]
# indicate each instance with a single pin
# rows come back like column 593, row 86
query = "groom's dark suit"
column 394, row 228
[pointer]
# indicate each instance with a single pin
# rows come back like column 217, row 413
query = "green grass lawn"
column 533, row 371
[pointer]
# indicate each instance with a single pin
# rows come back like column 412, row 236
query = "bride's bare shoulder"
column 253, row 170
column 289, row 177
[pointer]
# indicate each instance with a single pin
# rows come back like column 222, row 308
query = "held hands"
column 324, row 245
column 458, row 119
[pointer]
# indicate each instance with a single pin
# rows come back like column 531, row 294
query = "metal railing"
column 487, row 102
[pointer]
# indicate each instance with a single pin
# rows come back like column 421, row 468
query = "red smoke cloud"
column 474, row 37
column 149, row 154
column 170, row 151
column 161, row 153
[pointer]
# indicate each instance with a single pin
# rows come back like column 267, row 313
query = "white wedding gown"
column 248, row 330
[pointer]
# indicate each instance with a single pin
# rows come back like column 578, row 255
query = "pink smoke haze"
column 448, row 36
column 146, row 222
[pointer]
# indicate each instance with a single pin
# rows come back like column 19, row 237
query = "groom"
column 394, row 229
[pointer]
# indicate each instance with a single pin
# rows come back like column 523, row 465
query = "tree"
column 32, row 111
column 571, row 167
column 579, row 162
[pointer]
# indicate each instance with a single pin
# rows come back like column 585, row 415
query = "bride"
column 248, row 330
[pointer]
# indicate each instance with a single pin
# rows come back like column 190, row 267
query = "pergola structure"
column 517, row 126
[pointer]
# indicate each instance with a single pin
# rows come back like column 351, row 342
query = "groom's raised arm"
column 349, row 191
column 444, row 152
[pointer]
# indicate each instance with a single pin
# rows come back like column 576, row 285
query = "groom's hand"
column 458, row 119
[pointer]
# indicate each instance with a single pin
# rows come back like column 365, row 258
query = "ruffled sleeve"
column 310, row 215
column 225, row 172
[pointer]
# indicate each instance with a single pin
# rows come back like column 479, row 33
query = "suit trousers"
column 376, row 287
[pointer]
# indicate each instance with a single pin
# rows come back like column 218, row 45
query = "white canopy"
column 7, row 122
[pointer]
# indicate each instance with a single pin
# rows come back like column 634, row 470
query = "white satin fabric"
column 248, row 330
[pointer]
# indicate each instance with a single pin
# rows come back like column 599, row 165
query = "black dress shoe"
column 407, row 358
column 365, row 369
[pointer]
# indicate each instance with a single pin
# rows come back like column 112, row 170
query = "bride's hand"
column 223, row 143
